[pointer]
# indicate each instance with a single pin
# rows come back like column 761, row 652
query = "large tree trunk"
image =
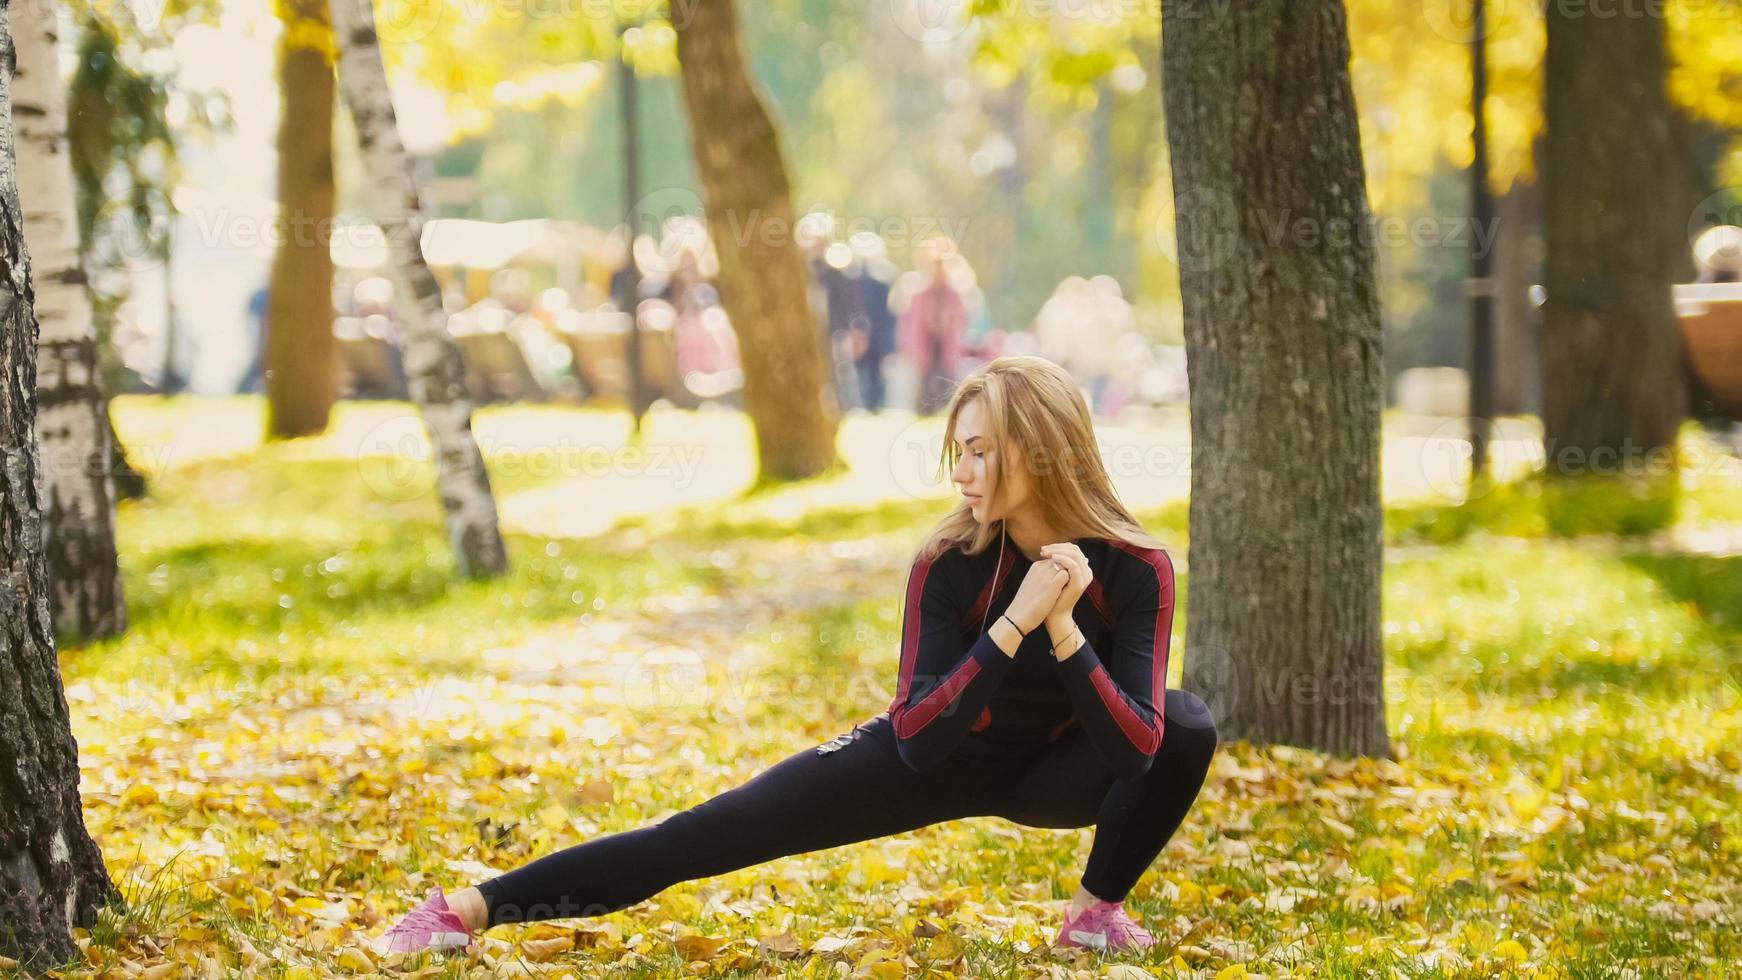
column 72, row 413
column 302, row 354
column 52, row 876
column 1515, row 268
column 1284, row 360
column 1611, row 347
column 762, row 274
column 433, row 366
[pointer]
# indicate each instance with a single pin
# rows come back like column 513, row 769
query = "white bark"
column 72, row 410
column 433, row 366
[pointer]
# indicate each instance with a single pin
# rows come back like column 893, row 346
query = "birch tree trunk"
column 1283, row 356
column 434, row 369
column 302, row 354
column 72, row 418
column 52, row 876
column 763, row 279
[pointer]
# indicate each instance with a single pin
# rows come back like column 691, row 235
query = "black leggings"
column 810, row 801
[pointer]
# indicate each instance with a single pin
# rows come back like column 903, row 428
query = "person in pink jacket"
column 933, row 329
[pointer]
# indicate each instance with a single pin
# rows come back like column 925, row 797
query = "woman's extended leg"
column 805, row 802
column 1070, row 785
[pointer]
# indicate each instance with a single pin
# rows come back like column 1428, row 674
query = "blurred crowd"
column 893, row 339
column 917, row 333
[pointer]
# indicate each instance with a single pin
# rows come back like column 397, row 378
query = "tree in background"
column 1612, row 353
column 72, row 420
column 52, row 876
column 126, row 165
column 1284, row 356
column 433, row 366
column 302, row 353
column 763, row 280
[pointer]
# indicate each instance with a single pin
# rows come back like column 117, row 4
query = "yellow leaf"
column 143, row 794
column 545, row 950
column 699, row 947
column 1234, row 972
column 1525, row 797
column 1511, row 949
column 1554, row 776
column 944, row 947
column 780, row 944
column 354, row 959
column 554, row 817
column 680, row 906
column 1338, row 826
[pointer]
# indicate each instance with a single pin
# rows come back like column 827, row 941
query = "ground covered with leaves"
column 311, row 722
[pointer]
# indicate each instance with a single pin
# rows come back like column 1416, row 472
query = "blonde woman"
column 1032, row 687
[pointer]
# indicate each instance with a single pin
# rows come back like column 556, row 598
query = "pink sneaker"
column 431, row 925
column 1103, row 926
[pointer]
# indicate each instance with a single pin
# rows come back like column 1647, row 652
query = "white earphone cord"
column 995, row 570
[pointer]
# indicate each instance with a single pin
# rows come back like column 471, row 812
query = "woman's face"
column 973, row 471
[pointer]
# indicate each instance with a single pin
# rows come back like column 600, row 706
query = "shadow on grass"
column 1564, row 621
column 1712, row 585
column 268, row 584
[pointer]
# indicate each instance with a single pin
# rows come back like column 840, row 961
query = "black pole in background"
column 1480, row 285
column 631, row 206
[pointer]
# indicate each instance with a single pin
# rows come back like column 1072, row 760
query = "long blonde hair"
column 1036, row 406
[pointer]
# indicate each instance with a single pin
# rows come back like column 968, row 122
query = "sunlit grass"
column 313, row 714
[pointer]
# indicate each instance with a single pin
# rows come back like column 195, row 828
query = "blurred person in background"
column 932, row 330
column 979, row 312
column 1079, row 327
column 1058, row 325
column 617, row 255
column 1111, row 320
column 838, row 302
column 254, row 379
column 1133, row 357
column 705, row 342
column 876, row 277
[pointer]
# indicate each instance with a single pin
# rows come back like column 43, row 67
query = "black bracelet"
column 1013, row 625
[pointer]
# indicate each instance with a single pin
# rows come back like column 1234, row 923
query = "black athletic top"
column 957, row 685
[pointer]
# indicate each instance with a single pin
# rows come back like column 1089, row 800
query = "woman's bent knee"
column 1189, row 724
column 1187, row 710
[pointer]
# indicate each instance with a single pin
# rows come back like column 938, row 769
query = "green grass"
column 1702, row 492
column 309, row 700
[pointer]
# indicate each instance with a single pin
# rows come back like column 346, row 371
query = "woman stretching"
column 1032, row 687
